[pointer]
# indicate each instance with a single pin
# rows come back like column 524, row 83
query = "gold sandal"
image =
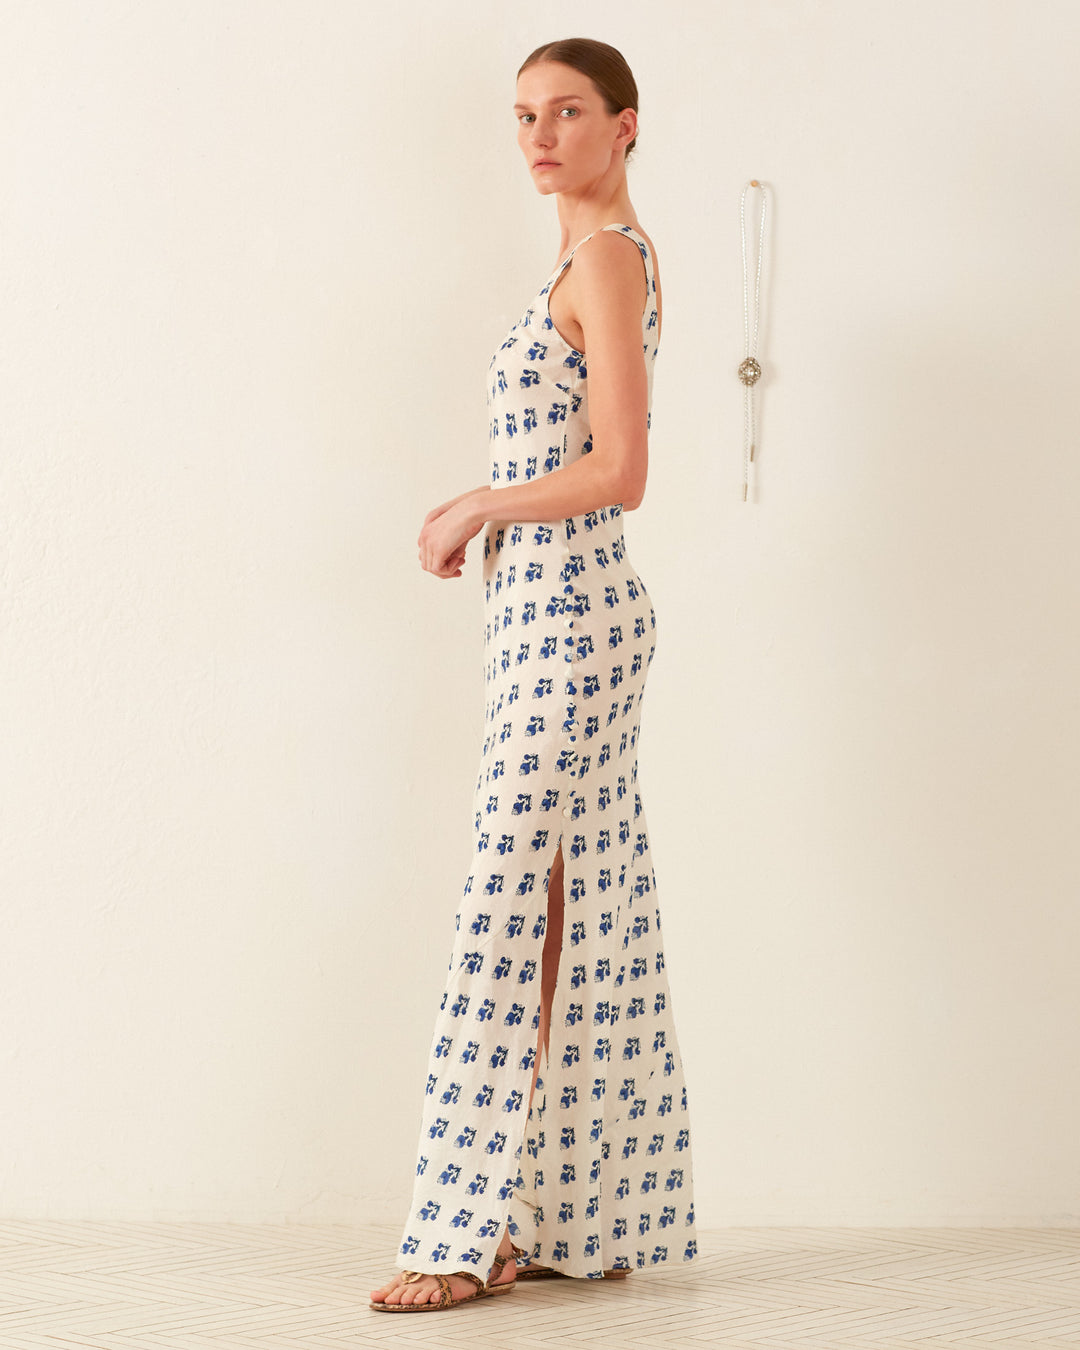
column 446, row 1298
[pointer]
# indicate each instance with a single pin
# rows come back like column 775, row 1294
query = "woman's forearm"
column 586, row 485
column 472, row 492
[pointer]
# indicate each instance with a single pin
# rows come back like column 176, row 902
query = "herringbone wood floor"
column 208, row 1286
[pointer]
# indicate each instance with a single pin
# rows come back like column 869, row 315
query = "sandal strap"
column 501, row 1261
column 446, row 1297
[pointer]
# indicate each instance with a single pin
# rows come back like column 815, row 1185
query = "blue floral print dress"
column 598, row 1174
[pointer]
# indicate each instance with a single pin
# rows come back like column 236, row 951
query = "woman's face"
column 566, row 134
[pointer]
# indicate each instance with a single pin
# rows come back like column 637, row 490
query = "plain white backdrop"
column 254, row 259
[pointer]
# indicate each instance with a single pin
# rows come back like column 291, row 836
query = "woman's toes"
column 428, row 1289
column 419, row 1292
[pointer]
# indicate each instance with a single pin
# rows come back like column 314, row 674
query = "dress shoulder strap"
column 614, row 225
column 646, row 252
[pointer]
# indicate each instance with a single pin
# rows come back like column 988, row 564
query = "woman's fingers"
column 441, row 543
column 447, row 567
column 452, row 566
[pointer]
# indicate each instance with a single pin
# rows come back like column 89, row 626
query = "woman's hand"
column 446, row 531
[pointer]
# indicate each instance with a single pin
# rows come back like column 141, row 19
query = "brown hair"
column 605, row 66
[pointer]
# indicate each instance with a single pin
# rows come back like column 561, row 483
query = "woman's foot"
column 427, row 1290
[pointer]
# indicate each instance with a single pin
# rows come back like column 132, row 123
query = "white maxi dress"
column 598, row 1174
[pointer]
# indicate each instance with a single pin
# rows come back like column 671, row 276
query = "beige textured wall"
column 255, row 258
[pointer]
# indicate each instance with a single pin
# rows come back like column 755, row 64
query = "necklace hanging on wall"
column 750, row 370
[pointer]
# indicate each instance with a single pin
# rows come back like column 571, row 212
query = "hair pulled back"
column 604, row 65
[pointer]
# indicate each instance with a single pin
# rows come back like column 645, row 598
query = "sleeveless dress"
column 598, row 1175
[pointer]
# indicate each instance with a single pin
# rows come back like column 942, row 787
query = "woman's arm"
column 610, row 295
column 438, row 510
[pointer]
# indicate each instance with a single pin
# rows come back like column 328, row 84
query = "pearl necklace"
column 749, row 370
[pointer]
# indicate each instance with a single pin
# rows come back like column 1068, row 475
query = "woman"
column 555, row 1106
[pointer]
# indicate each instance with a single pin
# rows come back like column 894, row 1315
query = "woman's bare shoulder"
column 616, row 259
column 609, row 272
column 603, row 251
